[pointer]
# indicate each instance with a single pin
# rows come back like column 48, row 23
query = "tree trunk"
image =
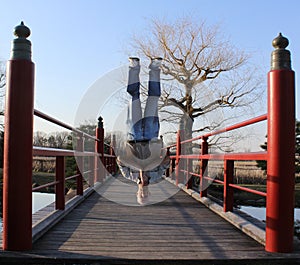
column 187, row 121
column 186, row 127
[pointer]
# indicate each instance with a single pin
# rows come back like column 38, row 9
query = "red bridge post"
column 177, row 161
column 99, row 146
column 112, row 152
column 60, row 186
column 17, row 171
column 203, row 164
column 168, row 170
column 281, row 150
column 228, row 191
column 80, row 164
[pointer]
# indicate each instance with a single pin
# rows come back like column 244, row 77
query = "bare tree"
column 40, row 139
column 197, row 59
column 54, row 139
column 58, row 139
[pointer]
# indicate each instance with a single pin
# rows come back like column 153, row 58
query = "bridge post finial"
column 281, row 58
column 21, row 47
column 100, row 122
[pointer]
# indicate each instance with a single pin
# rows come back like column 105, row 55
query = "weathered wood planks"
column 172, row 230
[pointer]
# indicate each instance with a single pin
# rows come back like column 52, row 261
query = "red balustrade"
column 19, row 152
column 279, row 156
column 228, row 158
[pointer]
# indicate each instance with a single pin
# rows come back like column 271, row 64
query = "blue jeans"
column 147, row 127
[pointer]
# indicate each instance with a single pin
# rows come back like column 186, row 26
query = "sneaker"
column 134, row 61
column 155, row 63
column 145, row 180
column 143, row 195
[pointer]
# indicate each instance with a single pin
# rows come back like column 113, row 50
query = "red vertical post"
column 99, row 148
column 168, row 170
column 92, row 171
column 109, row 163
column 173, row 162
column 204, row 163
column 228, row 191
column 281, row 150
column 106, row 160
column 189, row 178
column 60, row 186
column 80, row 164
column 177, row 161
column 112, row 152
column 17, row 168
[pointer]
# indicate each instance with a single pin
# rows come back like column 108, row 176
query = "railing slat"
column 227, row 156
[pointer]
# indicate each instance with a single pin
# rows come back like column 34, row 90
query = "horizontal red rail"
column 227, row 156
column 72, row 177
column 52, row 120
column 261, row 193
column 208, row 178
column 45, row 185
column 46, row 151
column 62, row 124
column 238, row 125
column 56, row 182
column 215, row 180
column 230, row 128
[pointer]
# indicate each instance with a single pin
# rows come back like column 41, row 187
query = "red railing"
column 19, row 152
column 280, row 155
column 96, row 171
column 184, row 170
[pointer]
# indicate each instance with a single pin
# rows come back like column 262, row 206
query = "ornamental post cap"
column 21, row 47
column 22, row 31
column 280, row 42
column 280, row 58
column 100, row 122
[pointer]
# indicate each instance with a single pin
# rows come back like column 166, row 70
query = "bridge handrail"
column 230, row 128
column 204, row 157
column 48, row 151
column 226, row 156
column 97, row 170
column 62, row 124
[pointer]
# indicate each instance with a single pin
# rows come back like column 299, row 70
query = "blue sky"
column 77, row 42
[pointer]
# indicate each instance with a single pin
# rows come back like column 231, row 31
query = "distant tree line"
column 61, row 140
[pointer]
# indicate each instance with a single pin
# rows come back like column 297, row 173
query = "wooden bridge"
column 177, row 230
column 105, row 225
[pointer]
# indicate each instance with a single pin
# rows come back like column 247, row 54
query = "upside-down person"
column 143, row 158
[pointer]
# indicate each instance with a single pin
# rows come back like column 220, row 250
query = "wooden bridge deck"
column 177, row 230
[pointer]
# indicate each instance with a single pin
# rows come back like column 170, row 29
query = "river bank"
column 243, row 198
column 254, row 205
